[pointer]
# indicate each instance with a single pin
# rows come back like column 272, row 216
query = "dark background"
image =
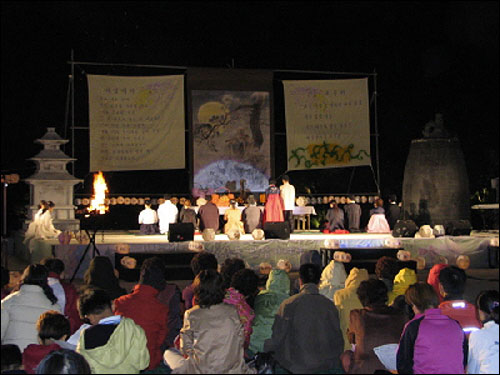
column 429, row 57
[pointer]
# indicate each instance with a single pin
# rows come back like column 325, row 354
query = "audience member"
column 431, row 343
column 171, row 297
column 347, row 300
column 332, row 279
column 243, row 286
column 67, row 296
column 101, row 274
column 393, row 211
column 252, row 216
column 21, row 309
column 53, row 329
column 309, row 256
column 211, row 340
column 201, row 261
column 335, row 217
column 143, row 307
column 148, row 219
column 64, row 361
column 306, row 335
column 167, row 214
column 373, row 327
column 386, row 270
column 209, row 215
column 267, row 303
column 229, row 268
column 402, row 281
column 232, row 216
column 483, row 344
column 12, row 359
column 113, row 344
column 433, row 278
column 352, row 214
column 5, row 282
column 452, row 287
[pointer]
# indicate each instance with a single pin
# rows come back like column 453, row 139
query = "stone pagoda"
column 52, row 182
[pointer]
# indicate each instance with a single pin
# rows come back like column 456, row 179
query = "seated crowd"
column 233, row 320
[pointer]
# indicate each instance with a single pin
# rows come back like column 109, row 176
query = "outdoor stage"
column 476, row 246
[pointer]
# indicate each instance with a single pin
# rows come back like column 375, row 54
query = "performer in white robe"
column 167, row 214
column 41, row 227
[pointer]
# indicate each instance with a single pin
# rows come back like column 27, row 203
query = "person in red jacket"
column 143, row 307
column 66, row 294
column 53, row 329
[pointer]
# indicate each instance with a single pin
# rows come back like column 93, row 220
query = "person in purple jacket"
column 431, row 343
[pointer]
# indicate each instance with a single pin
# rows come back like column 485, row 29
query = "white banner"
column 136, row 123
column 327, row 123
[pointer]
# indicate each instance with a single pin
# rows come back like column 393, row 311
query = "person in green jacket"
column 113, row 344
column 266, row 305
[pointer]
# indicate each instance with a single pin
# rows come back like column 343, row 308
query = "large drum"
column 435, row 186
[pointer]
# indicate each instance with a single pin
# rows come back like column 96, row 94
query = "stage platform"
column 434, row 250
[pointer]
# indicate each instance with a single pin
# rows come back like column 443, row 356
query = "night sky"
column 429, row 56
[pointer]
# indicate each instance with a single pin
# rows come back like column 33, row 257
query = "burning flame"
column 98, row 199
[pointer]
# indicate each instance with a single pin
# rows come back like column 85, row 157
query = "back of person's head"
column 187, row 203
column 5, row 277
column 37, row 274
column 208, row 198
column 310, row 256
column 208, row 288
column 272, row 181
column 229, row 268
column 422, row 296
column 203, row 261
column 387, row 268
column 153, row 273
column 401, row 305
column 245, row 281
column 12, row 358
column 285, row 178
column 251, row 200
column 51, row 204
column 379, row 203
column 147, row 203
column 100, row 273
column 487, row 302
column 310, row 273
column 53, row 265
column 93, row 301
column 64, row 361
column 392, row 198
column 352, row 198
column 52, row 325
column 167, row 197
column 372, row 292
column 452, row 280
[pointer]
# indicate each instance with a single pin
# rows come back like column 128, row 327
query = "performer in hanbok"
column 232, row 216
column 274, row 207
column 33, row 226
column 148, row 219
column 42, row 227
column 335, row 217
column 378, row 223
column 167, row 214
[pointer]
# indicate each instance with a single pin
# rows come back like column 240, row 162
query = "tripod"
column 94, row 249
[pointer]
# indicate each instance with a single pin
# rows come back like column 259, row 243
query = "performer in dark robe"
column 209, row 215
column 188, row 215
column 252, row 216
column 393, row 212
column 274, row 207
column 353, row 214
column 335, row 217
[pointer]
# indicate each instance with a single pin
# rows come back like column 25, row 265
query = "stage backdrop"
column 231, row 128
column 327, row 123
column 136, row 123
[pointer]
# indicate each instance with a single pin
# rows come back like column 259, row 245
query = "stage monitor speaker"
column 458, row 228
column 404, row 228
column 180, row 232
column 279, row 230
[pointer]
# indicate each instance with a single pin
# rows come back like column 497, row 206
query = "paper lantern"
column 120, row 200
column 258, row 234
column 403, row 255
column 332, row 244
column 127, row 201
column 208, row 234
column 112, row 201
column 128, row 262
column 134, row 200
column 122, row 248
column 233, row 235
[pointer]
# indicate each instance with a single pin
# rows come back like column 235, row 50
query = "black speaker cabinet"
column 180, row 232
column 458, row 228
column 279, row 230
column 404, row 228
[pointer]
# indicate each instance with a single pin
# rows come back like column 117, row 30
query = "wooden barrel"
column 435, row 185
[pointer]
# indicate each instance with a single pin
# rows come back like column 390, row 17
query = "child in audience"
column 431, row 343
column 211, row 340
column 452, row 287
column 113, row 344
column 483, row 344
column 63, row 361
column 53, row 329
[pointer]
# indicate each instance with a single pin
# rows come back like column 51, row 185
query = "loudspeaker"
column 279, row 230
column 180, row 232
column 404, row 228
column 458, row 228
